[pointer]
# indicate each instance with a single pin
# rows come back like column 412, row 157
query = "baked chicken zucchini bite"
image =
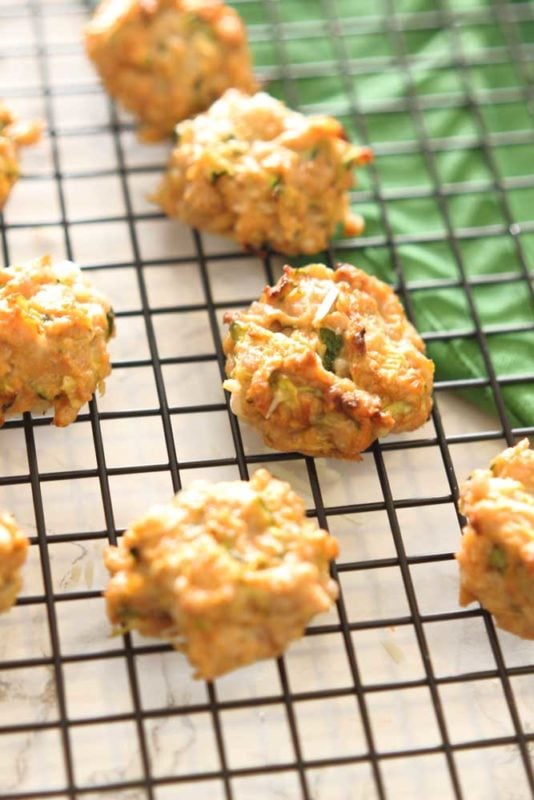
column 13, row 551
column 229, row 573
column 496, row 555
column 54, row 330
column 13, row 135
column 166, row 60
column 325, row 362
column 253, row 170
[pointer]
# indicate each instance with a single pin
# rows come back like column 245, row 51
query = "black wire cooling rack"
column 400, row 693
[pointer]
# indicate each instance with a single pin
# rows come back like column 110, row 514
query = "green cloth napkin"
column 401, row 79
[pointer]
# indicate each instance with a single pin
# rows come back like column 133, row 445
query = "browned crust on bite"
column 14, row 134
column 54, row 329
column 229, row 573
column 13, row 552
column 325, row 362
column 271, row 178
column 166, row 60
column 496, row 555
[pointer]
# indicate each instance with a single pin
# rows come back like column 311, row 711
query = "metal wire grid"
column 395, row 22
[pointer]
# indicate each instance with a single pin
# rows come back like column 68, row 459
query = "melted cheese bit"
column 326, row 304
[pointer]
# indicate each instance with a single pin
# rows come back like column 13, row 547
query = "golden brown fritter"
column 229, row 573
column 13, row 135
column 13, row 551
column 166, row 60
column 54, row 329
column 496, row 555
column 325, row 362
column 252, row 169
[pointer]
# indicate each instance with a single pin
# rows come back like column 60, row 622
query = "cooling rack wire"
column 398, row 693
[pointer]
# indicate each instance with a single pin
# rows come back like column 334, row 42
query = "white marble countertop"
column 257, row 734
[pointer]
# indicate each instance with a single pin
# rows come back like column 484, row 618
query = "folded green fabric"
column 401, row 79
